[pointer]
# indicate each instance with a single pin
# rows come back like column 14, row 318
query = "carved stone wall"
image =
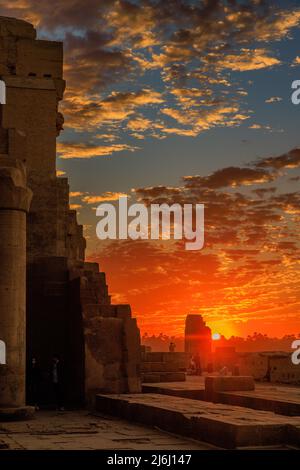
column 69, row 311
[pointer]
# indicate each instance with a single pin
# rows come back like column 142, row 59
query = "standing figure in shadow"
column 34, row 378
column 56, row 376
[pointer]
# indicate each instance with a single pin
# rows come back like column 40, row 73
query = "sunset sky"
column 190, row 102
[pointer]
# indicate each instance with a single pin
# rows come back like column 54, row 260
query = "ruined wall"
column 255, row 364
column 68, row 307
column 272, row 366
column 282, row 370
column 32, row 71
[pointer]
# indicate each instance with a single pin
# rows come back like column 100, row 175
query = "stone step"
column 277, row 399
column 173, row 389
column 160, row 367
column 164, row 357
column 168, row 376
column 226, row 426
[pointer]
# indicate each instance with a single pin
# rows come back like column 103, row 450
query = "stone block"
column 153, row 367
column 132, row 355
column 44, row 59
column 150, row 377
column 123, row 311
column 17, row 28
column 153, row 357
column 226, row 426
column 172, row 377
column 215, row 384
column 16, row 414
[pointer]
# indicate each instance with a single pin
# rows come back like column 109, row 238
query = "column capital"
column 14, row 193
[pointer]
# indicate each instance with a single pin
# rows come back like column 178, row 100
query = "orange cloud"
column 108, row 196
column 75, row 206
column 69, row 150
column 88, row 113
column 75, row 194
column 247, row 59
column 296, row 61
column 273, row 99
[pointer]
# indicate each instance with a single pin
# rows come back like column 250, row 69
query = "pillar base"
column 16, row 414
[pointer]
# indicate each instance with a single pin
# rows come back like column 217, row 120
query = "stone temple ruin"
column 53, row 302
column 68, row 310
column 198, row 339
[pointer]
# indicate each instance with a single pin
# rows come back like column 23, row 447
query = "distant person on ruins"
column 192, row 366
column 56, row 379
column 224, row 371
column 34, row 378
column 198, row 364
column 172, row 347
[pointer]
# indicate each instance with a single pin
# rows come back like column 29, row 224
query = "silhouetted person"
column 34, row 378
column 172, row 347
column 268, row 373
column 198, row 364
column 223, row 371
column 56, row 380
column 193, row 365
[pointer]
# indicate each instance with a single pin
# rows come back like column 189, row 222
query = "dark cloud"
column 262, row 192
column 230, row 176
column 287, row 160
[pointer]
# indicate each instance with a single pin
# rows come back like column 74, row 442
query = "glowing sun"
column 216, row 336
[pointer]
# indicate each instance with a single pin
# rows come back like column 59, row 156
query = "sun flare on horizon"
column 215, row 336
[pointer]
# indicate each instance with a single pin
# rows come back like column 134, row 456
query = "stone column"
column 15, row 200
